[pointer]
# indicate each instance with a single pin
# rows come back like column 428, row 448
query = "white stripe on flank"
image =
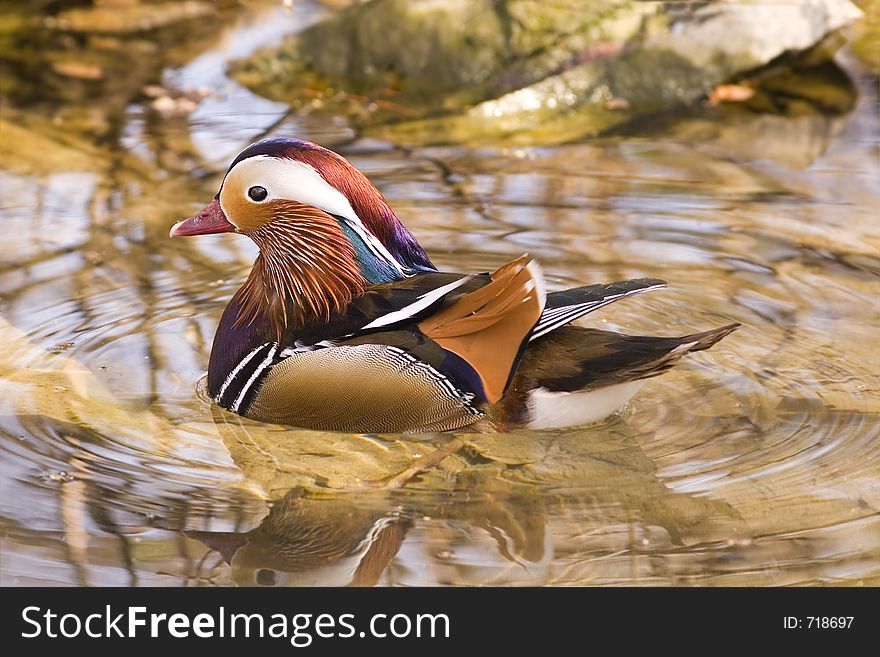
column 555, row 410
column 424, row 301
column 266, row 362
column 235, row 371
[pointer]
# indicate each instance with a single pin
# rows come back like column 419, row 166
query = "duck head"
column 323, row 230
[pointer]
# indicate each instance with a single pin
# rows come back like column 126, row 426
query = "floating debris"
column 174, row 102
column 79, row 70
column 130, row 19
column 59, row 476
column 60, row 347
column 730, row 93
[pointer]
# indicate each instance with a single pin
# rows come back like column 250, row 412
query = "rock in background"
column 532, row 71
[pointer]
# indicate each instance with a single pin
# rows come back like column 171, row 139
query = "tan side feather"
column 487, row 327
column 349, row 388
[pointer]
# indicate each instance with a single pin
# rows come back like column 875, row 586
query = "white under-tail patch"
column 556, row 410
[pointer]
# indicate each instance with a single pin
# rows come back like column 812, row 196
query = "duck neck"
column 375, row 269
column 299, row 276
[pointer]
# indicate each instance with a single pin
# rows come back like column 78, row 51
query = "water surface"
column 756, row 463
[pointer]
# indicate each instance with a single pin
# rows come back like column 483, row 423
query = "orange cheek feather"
column 248, row 216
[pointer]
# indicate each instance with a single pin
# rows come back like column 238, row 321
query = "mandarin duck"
column 309, row 541
column 345, row 324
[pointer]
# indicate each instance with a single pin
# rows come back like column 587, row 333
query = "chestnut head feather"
column 324, row 231
column 341, row 190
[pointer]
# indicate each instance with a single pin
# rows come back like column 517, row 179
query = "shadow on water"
column 753, row 464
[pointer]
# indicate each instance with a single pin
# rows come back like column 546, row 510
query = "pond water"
column 755, row 463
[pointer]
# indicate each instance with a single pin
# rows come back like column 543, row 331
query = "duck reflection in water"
column 514, row 506
column 315, row 540
column 312, row 541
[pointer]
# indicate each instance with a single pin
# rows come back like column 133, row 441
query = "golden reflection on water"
column 754, row 464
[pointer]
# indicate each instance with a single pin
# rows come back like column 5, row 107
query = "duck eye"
column 265, row 576
column 258, row 193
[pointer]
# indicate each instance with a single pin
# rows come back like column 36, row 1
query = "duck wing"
column 482, row 323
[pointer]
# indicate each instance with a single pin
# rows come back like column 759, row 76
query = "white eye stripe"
column 298, row 181
column 290, row 179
